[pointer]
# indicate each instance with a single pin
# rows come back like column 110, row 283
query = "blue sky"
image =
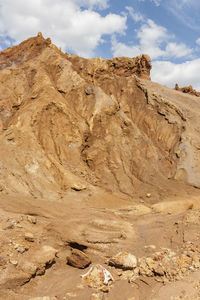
column 167, row 30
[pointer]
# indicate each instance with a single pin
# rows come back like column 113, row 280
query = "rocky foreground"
column 100, row 177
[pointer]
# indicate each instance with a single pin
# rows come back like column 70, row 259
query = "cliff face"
column 67, row 123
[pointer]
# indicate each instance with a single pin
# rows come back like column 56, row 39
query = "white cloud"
column 198, row 41
column 72, row 24
column 177, row 50
column 101, row 4
column 137, row 17
column 168, row 73
column 156, row 2
column 155, row 41
column 121, row 49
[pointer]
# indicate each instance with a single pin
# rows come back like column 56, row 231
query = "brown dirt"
column 95, row 157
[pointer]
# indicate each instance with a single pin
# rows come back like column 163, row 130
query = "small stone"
column 124, row 260
column 119, row 273
column 32, row 219
column 29, row 237
column 78, row 187
column 11, row 225
column 127, row 275
column 71, row 294
column 13, row 221
column 21, row 250
column 14, row 262
column 148, row 195
column 105, row 289
column 19, row 226
column 150, row 247
column 78, row 259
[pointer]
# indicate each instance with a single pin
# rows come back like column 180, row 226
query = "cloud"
column 168, row 73
column 101, row 4
column 137, row 17
column 198, row 41
column 153, row 40
column 186, row 11
column 75, row 25
column 156, row 2
column 177, row 50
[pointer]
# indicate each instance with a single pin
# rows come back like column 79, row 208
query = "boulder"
column 78, row 259
column 123, row 260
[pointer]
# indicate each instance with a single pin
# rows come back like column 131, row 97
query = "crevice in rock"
column 78, row 246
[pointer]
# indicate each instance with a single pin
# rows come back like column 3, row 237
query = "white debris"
column 107, row 275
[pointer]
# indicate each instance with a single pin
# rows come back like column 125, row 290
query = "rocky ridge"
column 188, row 90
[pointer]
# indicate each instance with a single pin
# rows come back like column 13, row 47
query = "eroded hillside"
column 71, row 123
column 94, row 156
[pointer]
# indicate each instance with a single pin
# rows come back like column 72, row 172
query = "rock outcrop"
column 188, row 90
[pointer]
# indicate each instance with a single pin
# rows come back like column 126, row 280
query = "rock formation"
column 187, row 89
column 71, row 123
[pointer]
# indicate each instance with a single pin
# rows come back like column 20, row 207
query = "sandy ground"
column 138, row 228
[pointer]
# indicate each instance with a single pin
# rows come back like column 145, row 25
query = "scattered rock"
column 32, row 219
column 14, row 262
column 124, row 260
column 71, row 295
column 21, row 250
column 150, row 247
column 29, row 237
column 78, row 187
column 97, row 277
column 105, row 289
column 78, row 259
column 96, row 297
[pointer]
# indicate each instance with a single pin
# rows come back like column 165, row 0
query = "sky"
column 167, row 30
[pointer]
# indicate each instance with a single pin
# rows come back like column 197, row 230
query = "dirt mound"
column 92, row 154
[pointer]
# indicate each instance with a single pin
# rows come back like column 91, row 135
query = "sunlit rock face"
column 73, row 124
